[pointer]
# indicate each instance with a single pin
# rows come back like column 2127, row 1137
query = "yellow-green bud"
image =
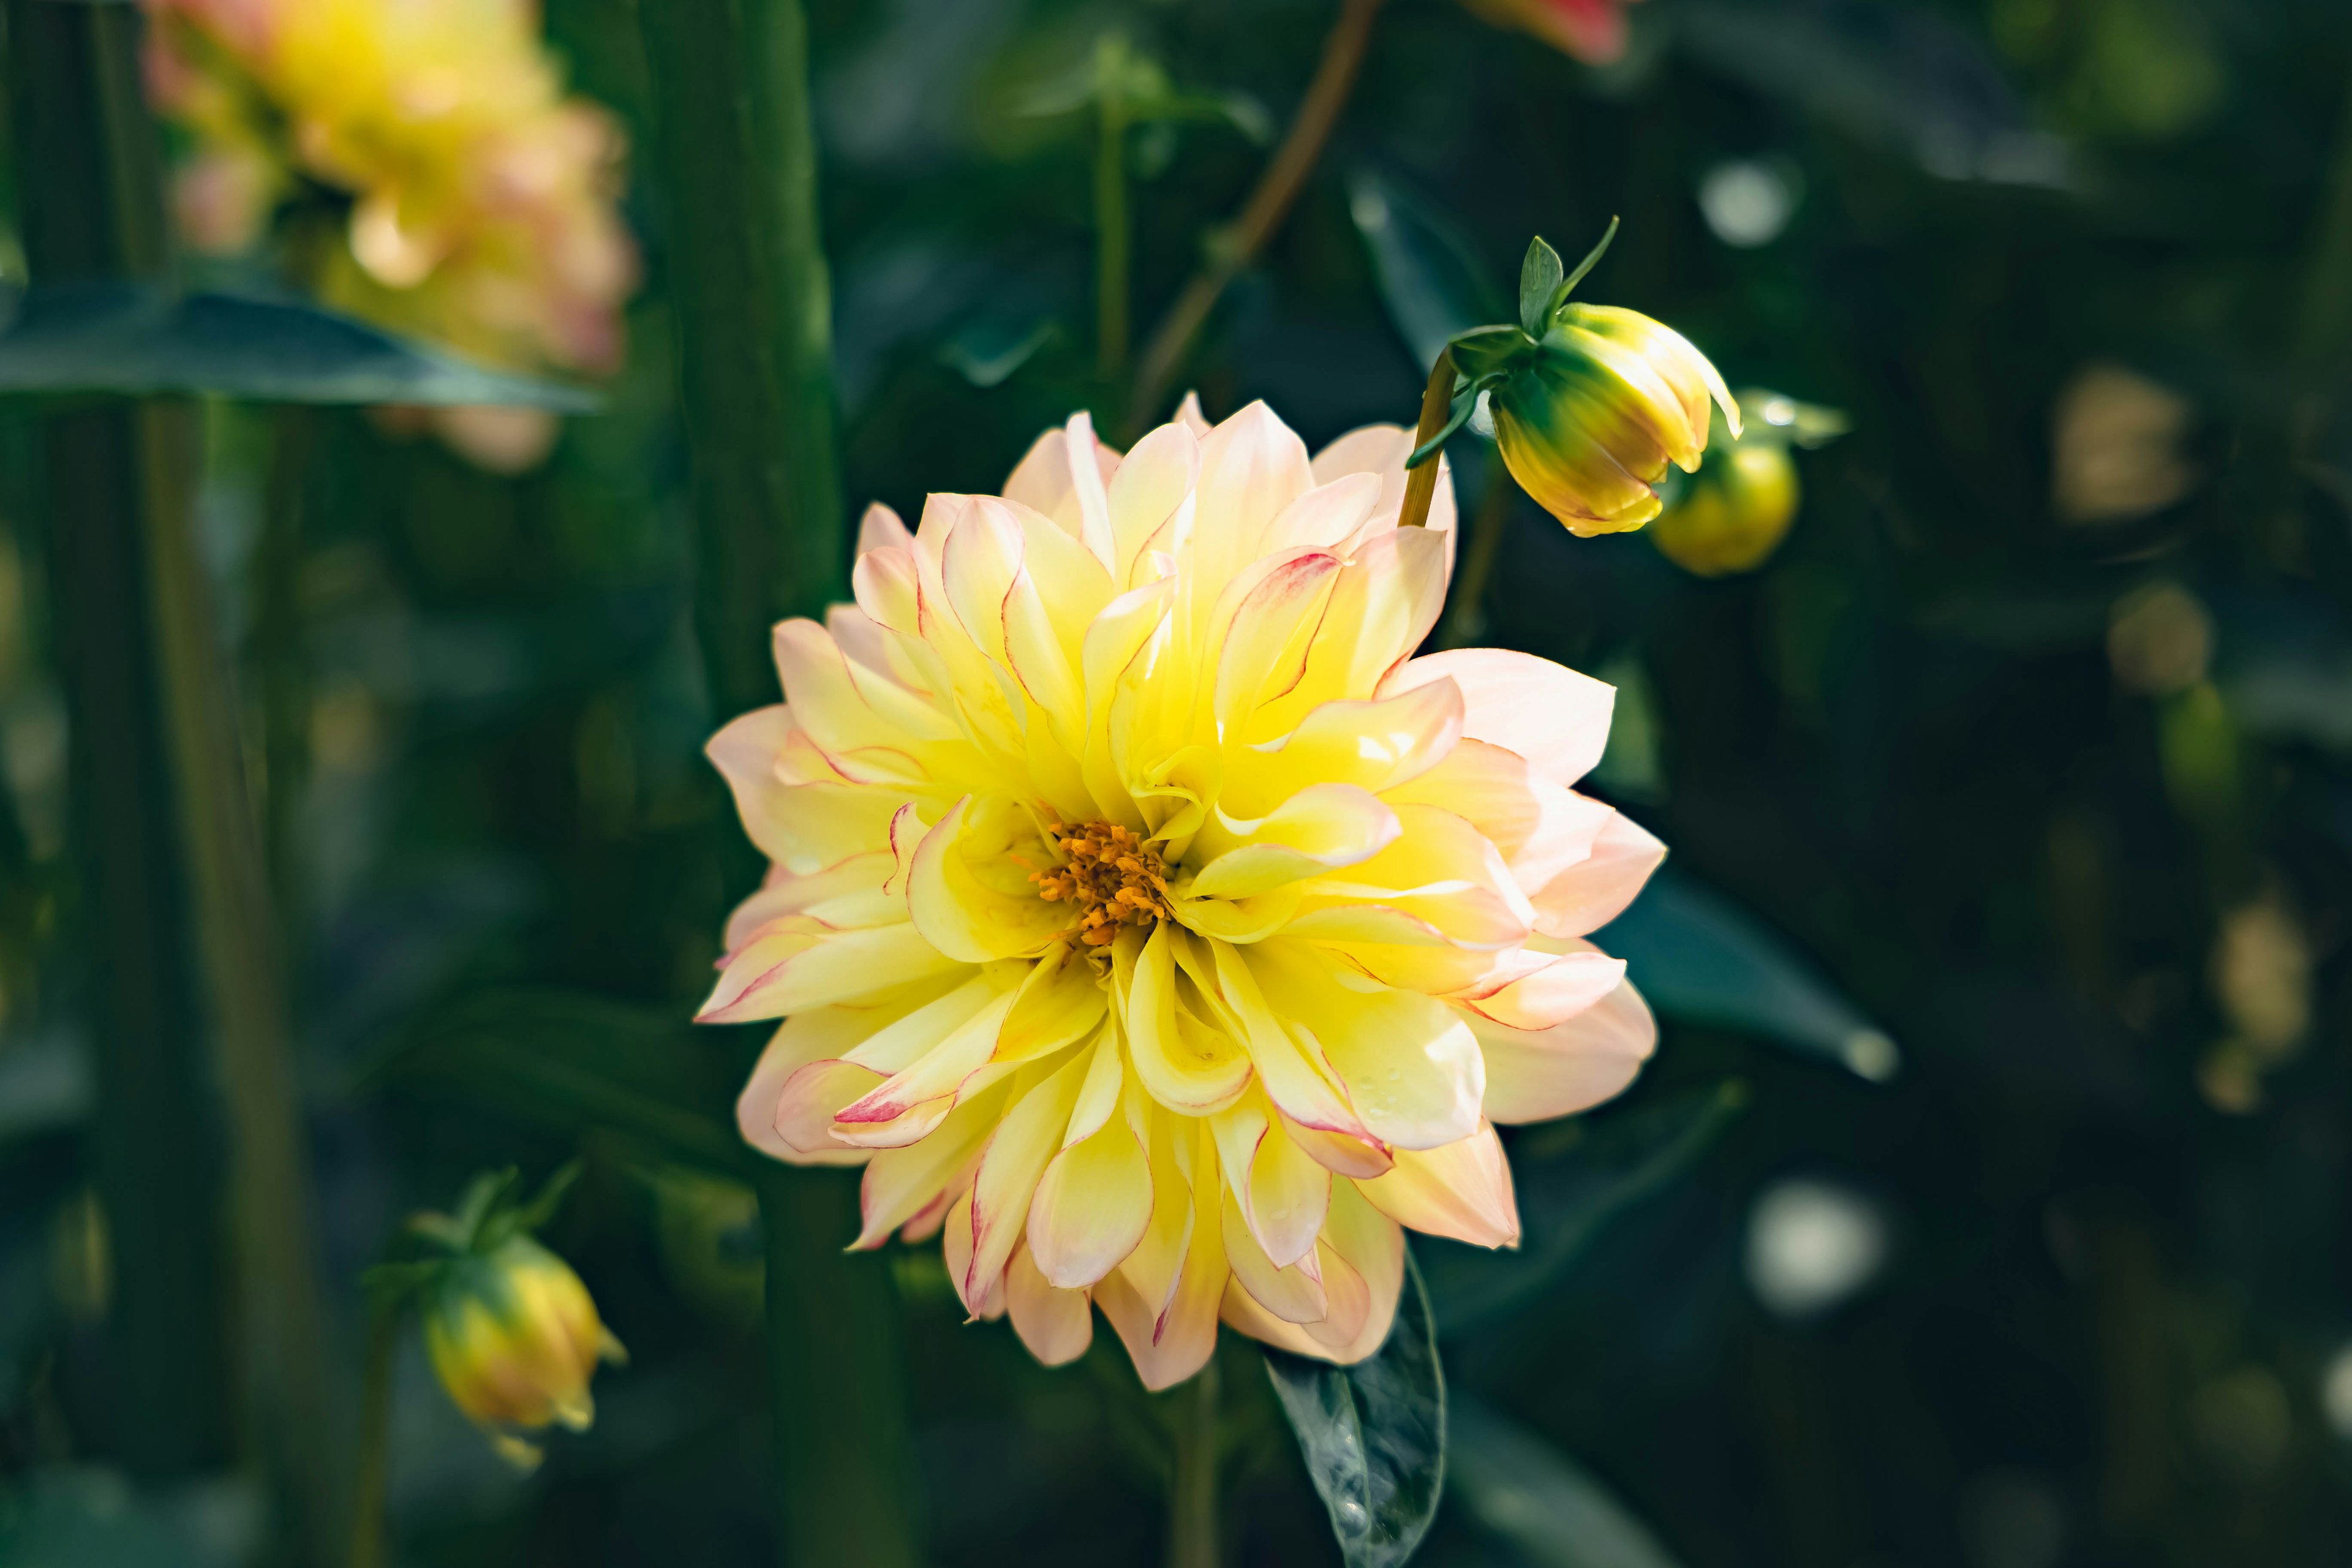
column 514, row 1337
column 1588, row 421
column 1734, row 513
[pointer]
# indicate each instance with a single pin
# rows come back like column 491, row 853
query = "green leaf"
column 1698, row 957
column 1539, row 280
column 1430, row 277
column 1466, row 404
column 1373, row 1435
column 1546, row 1505
column 1568, row 284
column 582, row 1064
column 135, row 339
column 1488, row 355
column 1573, row 1179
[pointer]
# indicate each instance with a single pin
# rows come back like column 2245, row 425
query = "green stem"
column 1278, row 189
column 375, row 1438
column 161, row 771
column 282, row 669
column 1193, row 1532
column 846, row 1468
column 753, row 308
column 156, row 1138
column 1467, row 616
column 1436, row 405
column 2327, row 318
column 1113, row 234
column 737, row 157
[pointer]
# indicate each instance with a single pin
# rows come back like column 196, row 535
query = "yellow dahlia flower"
column 480, row 198
column 514, row 1338
column 1148, row 920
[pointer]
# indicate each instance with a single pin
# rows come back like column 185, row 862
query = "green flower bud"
column 1589, row 422
column 1734, row 513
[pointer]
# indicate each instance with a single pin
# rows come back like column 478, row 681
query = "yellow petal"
column 1460, row 1190
column 1183, row 1058
column 1410, row 1063
column 1533, row 1076
column 1091, row 1206
column 1055, row 1324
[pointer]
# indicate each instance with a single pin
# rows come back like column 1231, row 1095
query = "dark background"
column 2030, row 745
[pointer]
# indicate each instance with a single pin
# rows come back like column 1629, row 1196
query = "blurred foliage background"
column 1985, row 1204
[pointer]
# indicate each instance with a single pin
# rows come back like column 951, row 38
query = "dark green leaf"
column 1540, row 274
column 1431, row 280
column 1373, row 1435
column 1568, row 1194
column 1466, row 404
column 1486, row 354
column 1699, row 957
column 138, row 340
column 582, row 1063
column 1546, row 1506
column 1568, row 284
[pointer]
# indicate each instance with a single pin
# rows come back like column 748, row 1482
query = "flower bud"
column 1734, row 513
column 514, row 1338
column 1588, row 420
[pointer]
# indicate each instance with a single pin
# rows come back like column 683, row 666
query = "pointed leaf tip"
column 1591, row 259
column 1539, row 283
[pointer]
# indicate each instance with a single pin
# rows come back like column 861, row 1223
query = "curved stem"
column 1193, row 1529
column 375, row 1439
column 1437, row 402
column 1465, row 617
column 1268, row 205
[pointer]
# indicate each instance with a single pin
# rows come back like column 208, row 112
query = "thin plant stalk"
column 1437, row 404
column 1194, row 1531
column 753, row 303
column 1467, row 616
column 2326, row 317
column 162, row 708
column 281, row 670
column 1114, row 230
column 1269, row 203
column 375, row 1438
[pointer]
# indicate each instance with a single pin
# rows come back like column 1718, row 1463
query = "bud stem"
column 375, row 1437
column 1437, row 404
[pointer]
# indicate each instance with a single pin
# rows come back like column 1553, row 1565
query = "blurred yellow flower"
column 480, row 198
column 1148, row 920
column 514, row 1338
column 1588, row 422
column 1592, row 31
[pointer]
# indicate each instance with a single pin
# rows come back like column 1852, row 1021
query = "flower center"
column 1114, row 877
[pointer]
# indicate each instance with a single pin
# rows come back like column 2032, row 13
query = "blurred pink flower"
column 1592, row 31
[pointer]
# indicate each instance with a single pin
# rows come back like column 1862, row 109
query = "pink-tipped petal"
column 1555, row 718
column 1461, row 1192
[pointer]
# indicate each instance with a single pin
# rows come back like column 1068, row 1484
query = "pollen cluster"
column 1113, row 877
